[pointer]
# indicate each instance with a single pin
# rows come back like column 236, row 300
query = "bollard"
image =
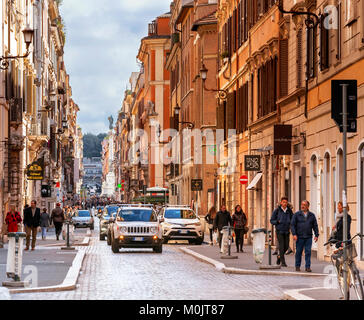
column 68, row 247
column 228, row 256
column 15, row 260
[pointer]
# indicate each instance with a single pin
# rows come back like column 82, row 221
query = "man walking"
column 222, row 219
column 31, row 223
column 303, row 222
column 58, row 218
column 281, row 218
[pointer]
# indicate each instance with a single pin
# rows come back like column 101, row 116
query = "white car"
column 181, row 223
column 136, row 227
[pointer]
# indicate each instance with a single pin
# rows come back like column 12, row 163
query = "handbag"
column 246, row 229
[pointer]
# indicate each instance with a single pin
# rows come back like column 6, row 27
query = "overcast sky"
column 102, row 41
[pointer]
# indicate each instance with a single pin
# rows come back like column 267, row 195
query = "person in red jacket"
column 13, row 218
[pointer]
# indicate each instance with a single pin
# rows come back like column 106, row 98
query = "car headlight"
column 153, row 229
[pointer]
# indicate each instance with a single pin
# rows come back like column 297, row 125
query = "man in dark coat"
column 281, row 219
column 31, row 223
column 303, row 222
column 222, row 219
column 58, row 219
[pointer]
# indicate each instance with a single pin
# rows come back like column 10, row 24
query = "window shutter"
column 231, row 111
column 239, row 24
column 220, row 115
column 229, row 39
column 29, row 95
column 283, row 65
column 324, row 44
column 233, row 34
column 299, row 58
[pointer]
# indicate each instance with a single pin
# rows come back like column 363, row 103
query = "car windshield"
column 179, row 214
column 111, row 210
column 144, row 215
column 82, row 214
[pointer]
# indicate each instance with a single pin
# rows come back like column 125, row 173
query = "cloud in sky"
column 102, row 41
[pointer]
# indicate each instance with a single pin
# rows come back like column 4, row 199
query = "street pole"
column 345, row 218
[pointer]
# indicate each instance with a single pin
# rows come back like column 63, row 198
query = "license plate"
column 138, row 239
column 183, row 231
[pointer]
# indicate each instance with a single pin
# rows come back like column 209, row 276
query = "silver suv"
column 136, row 226
column 181, row 223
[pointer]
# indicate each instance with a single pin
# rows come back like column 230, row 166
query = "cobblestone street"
column 172, row 275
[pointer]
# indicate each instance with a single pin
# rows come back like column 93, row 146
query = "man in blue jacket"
column 281, row 218
column 303, row 223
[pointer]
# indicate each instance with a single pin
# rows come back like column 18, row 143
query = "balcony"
column 152, row 29
column 37, row 136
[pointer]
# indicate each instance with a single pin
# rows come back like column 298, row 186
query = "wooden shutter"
column 229, row 37
column 324, row 44
column 234, row 32
column 239, row 24
column 283, row 67
column 29, row 100
column 299, row 58
column 231, row 111
column 220, row 116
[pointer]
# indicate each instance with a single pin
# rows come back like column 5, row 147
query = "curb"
column 298, row 295
column 69, row 282
column 221, row 267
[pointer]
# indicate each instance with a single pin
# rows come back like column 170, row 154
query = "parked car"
column 104, row 217
column 181, row 223
column 83, row 219
column 136, row 226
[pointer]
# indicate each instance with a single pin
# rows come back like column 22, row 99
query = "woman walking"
column 339, row 224
column 239, row 223
column 12, row 219
column 210, row 222
column 44, row 223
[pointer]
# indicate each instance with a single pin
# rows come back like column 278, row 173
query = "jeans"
column 44, row 232
column 300, row 245
column 283, row 241
column 211, row 234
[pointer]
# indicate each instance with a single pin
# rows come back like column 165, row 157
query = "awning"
column 255, row 181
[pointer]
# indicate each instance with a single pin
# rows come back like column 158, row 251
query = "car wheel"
column 199, row 241
column 165, row 240
column 115, row 246
column 158, row 249
column 102, row 238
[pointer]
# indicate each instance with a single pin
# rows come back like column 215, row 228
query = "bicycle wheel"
column 339, row 272
column 356, row 282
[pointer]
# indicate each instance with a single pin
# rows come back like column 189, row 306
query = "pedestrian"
column 281, row 219
column 339, row 224
column 32, row 223
column 58, row 218
column 302, row 225
column 12, row 219
column 44, row 223
column 239, row 221
column 210, row 222
column 222, row 219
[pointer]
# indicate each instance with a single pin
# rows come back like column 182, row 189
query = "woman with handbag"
column 210, row 222
column 239, row 222
column 12, row 219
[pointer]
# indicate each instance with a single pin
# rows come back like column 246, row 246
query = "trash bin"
column 258, row 236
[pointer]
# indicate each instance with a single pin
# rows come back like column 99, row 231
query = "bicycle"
column 353, row 276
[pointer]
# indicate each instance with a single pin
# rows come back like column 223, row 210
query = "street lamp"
column 203, row 75
column 28, row 34
column 177, row 111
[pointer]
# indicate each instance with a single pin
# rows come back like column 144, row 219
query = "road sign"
column 244, row 180
column 196, row 185
column 337, row 103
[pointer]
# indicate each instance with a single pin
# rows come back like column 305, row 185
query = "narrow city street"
column 172, row 275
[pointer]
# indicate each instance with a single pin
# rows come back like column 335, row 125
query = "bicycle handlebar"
column 334, row 241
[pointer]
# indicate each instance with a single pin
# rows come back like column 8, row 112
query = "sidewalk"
column 48, row 265
column 247, row 263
